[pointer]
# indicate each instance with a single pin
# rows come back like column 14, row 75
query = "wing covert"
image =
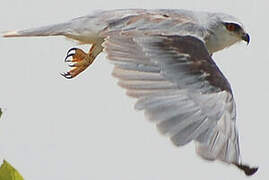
column 185, row 57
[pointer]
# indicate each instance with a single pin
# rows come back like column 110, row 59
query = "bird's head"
column 225, row 30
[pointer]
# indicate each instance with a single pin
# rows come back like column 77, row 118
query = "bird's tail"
column 50, row 30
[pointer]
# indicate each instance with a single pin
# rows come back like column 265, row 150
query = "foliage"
column 7, row 172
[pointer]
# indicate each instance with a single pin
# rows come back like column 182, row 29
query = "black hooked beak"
column 246, row 37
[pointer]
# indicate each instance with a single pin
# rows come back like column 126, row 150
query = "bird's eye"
column 232, row 27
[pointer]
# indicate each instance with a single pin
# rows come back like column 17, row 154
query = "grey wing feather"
column 180, row 88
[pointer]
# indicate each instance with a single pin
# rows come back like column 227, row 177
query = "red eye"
column 230, row 27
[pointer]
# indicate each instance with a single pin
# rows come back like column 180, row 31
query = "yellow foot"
column 80, row 61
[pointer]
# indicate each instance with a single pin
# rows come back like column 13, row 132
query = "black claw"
column 72, row 49
column 67, row 75
column 71, row 65
column 66, row 58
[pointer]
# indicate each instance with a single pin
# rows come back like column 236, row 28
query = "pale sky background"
column 86, row 128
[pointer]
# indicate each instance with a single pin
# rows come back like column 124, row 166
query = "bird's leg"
column 81, row 60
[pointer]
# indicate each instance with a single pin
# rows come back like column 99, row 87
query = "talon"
column 72, row 49
column 72, row 65
column 80, row 60
column 66, row 58
column 67, row 75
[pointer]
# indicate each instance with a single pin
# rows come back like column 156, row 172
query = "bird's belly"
column 84, row 39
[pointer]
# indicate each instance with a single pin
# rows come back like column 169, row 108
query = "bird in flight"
column 164, row 59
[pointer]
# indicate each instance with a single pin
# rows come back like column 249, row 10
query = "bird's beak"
column 246, row 37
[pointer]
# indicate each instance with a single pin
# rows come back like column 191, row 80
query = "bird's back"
column 87, row 29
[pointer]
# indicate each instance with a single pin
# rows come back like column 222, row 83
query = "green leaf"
column 7, row 172
column 1, row 112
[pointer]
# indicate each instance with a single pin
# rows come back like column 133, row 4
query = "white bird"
column 164, row 59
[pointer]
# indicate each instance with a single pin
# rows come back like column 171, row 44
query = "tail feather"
column 51, row 30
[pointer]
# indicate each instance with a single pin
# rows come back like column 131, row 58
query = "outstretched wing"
column 180, row 88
